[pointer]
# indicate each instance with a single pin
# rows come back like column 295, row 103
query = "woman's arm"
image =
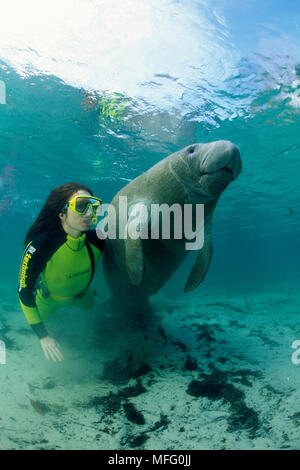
column 33, row 262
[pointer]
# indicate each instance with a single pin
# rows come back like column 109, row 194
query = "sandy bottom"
column 214, row 372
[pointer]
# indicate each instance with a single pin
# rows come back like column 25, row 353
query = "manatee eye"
column 191, row 150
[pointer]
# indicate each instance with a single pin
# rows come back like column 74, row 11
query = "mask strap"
column 64, row 209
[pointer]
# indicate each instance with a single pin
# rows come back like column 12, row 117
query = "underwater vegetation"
column 215, row 386
column 109, row 106
column 117, row 372
column 4, row 329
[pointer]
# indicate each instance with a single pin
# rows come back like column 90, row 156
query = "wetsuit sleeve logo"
column 24, row 268
column 31, row 249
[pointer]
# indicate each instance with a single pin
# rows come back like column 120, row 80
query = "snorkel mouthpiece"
column 93, row 214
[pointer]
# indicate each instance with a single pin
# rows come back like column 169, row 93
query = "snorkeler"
column 59, row 261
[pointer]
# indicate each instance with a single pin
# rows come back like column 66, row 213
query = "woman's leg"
column 45, row 306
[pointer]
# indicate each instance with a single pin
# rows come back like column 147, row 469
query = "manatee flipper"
column 200, row 266
column 136, row 229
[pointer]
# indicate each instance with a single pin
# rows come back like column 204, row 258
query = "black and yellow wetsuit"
column 56, row 271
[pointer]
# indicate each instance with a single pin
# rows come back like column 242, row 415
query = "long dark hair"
column 48, row 220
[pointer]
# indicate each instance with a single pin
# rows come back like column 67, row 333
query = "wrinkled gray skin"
column 197, row 174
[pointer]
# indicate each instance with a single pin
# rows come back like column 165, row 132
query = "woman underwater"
column 59, row 261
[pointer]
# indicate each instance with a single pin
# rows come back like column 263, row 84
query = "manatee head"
column 207, row 169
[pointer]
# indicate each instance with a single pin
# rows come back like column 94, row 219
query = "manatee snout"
column 219, row 164
column 221, row 155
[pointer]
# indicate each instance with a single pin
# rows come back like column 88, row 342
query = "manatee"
column 135, row 269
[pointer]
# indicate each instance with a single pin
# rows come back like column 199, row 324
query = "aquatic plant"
column 108, row 106
column 216, row 387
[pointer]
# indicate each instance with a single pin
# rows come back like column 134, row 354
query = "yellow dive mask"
column 80, row 205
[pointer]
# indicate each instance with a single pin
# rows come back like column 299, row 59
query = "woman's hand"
column 51, row 349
